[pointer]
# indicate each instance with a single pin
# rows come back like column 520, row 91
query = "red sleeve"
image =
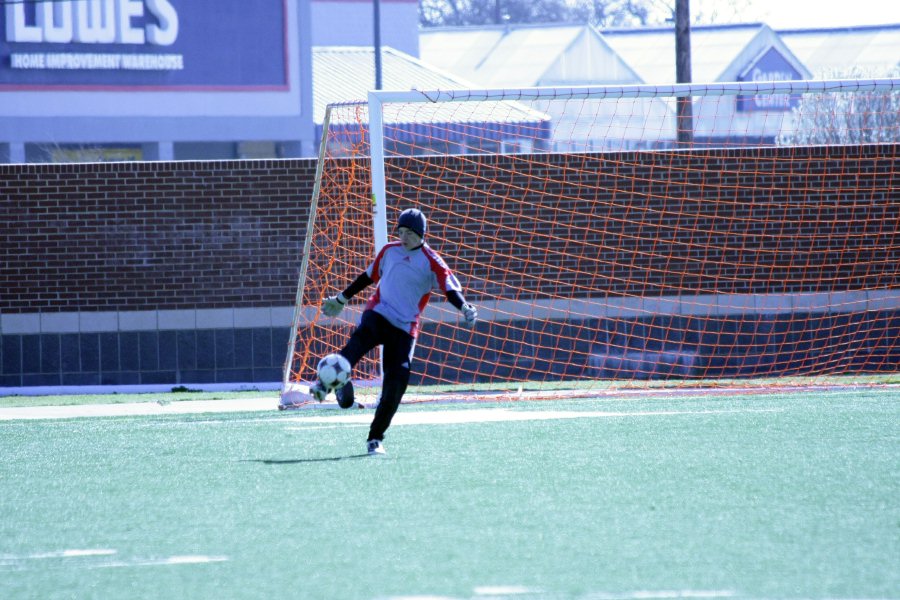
column 446, row 280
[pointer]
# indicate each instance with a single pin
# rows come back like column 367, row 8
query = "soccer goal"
column 636, row 236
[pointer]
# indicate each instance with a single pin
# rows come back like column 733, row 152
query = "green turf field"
column 764, row 495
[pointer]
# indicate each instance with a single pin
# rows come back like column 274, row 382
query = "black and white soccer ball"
column 333, row 371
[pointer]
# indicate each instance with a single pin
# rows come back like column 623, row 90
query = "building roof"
column 840, row 52
column 718, row 52
column 501, row 56
column 346, row 74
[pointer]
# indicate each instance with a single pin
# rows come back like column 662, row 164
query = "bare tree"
column 454, row 13
column 602, row 13
column 619, row 13
column 846, row 118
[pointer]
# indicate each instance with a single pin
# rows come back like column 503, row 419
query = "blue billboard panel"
column 159, row 44
column 771, row 66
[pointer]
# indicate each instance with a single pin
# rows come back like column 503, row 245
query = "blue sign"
column 157, row 44
column 771, row 66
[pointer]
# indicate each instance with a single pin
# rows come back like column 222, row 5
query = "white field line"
column 76, row 553
column 514, row 590
column 190, row 559
column 264, row 404
column 7, row 560
column 664, row 594
column 133, row 409
column 496, row 415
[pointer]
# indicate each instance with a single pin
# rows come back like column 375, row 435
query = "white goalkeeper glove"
column 470, row 313
column 333, row 306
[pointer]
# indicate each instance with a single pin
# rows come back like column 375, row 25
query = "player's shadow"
column 300, row 461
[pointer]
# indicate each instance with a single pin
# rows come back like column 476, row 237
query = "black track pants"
column 375, row 330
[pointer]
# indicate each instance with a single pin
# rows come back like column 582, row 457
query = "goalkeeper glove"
column 333, row 306
column 470, row 313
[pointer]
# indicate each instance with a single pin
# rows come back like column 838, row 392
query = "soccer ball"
column 333, row 371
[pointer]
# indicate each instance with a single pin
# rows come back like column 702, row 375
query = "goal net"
column 637, row 236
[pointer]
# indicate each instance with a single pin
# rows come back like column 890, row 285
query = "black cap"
column 412, row 218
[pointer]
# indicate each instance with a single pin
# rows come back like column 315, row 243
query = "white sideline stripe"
column 503, row 590
column 134, row 409
column 187, row 559
column 76, row 553
column 190, row 559
column 635, row 595
column 419, row 597
column 264, row 404
column 497, row 415
column 654, row 594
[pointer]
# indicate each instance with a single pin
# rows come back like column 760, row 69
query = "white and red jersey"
column 405, row 280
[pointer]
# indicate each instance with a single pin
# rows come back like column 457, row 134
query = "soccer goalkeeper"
column 406, row 272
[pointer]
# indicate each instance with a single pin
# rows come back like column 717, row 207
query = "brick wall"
column 135, row 236
column 152, row 235
column 745, row 219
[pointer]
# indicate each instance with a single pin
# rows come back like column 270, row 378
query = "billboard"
column 771, row 66
column 189, row 45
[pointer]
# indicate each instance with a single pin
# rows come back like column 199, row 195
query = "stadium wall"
column 181, row 273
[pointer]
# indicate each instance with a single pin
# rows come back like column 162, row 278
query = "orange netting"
column 599, row 246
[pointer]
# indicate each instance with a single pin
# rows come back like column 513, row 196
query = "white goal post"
column 378, row 99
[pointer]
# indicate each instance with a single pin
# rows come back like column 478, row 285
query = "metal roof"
column 718, row 52
column 525, row 55
column 829, row 53
column 459, row 50
column 345, row 74
column 502, row 56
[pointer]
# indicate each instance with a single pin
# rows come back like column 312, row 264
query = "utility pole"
column 376, row 18
column 684, row 106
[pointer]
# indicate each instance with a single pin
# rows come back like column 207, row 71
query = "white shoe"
column 318, row 391
column 375, row 448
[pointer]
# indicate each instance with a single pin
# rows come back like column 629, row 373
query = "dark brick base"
column 663, row 347
column 144, row 358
